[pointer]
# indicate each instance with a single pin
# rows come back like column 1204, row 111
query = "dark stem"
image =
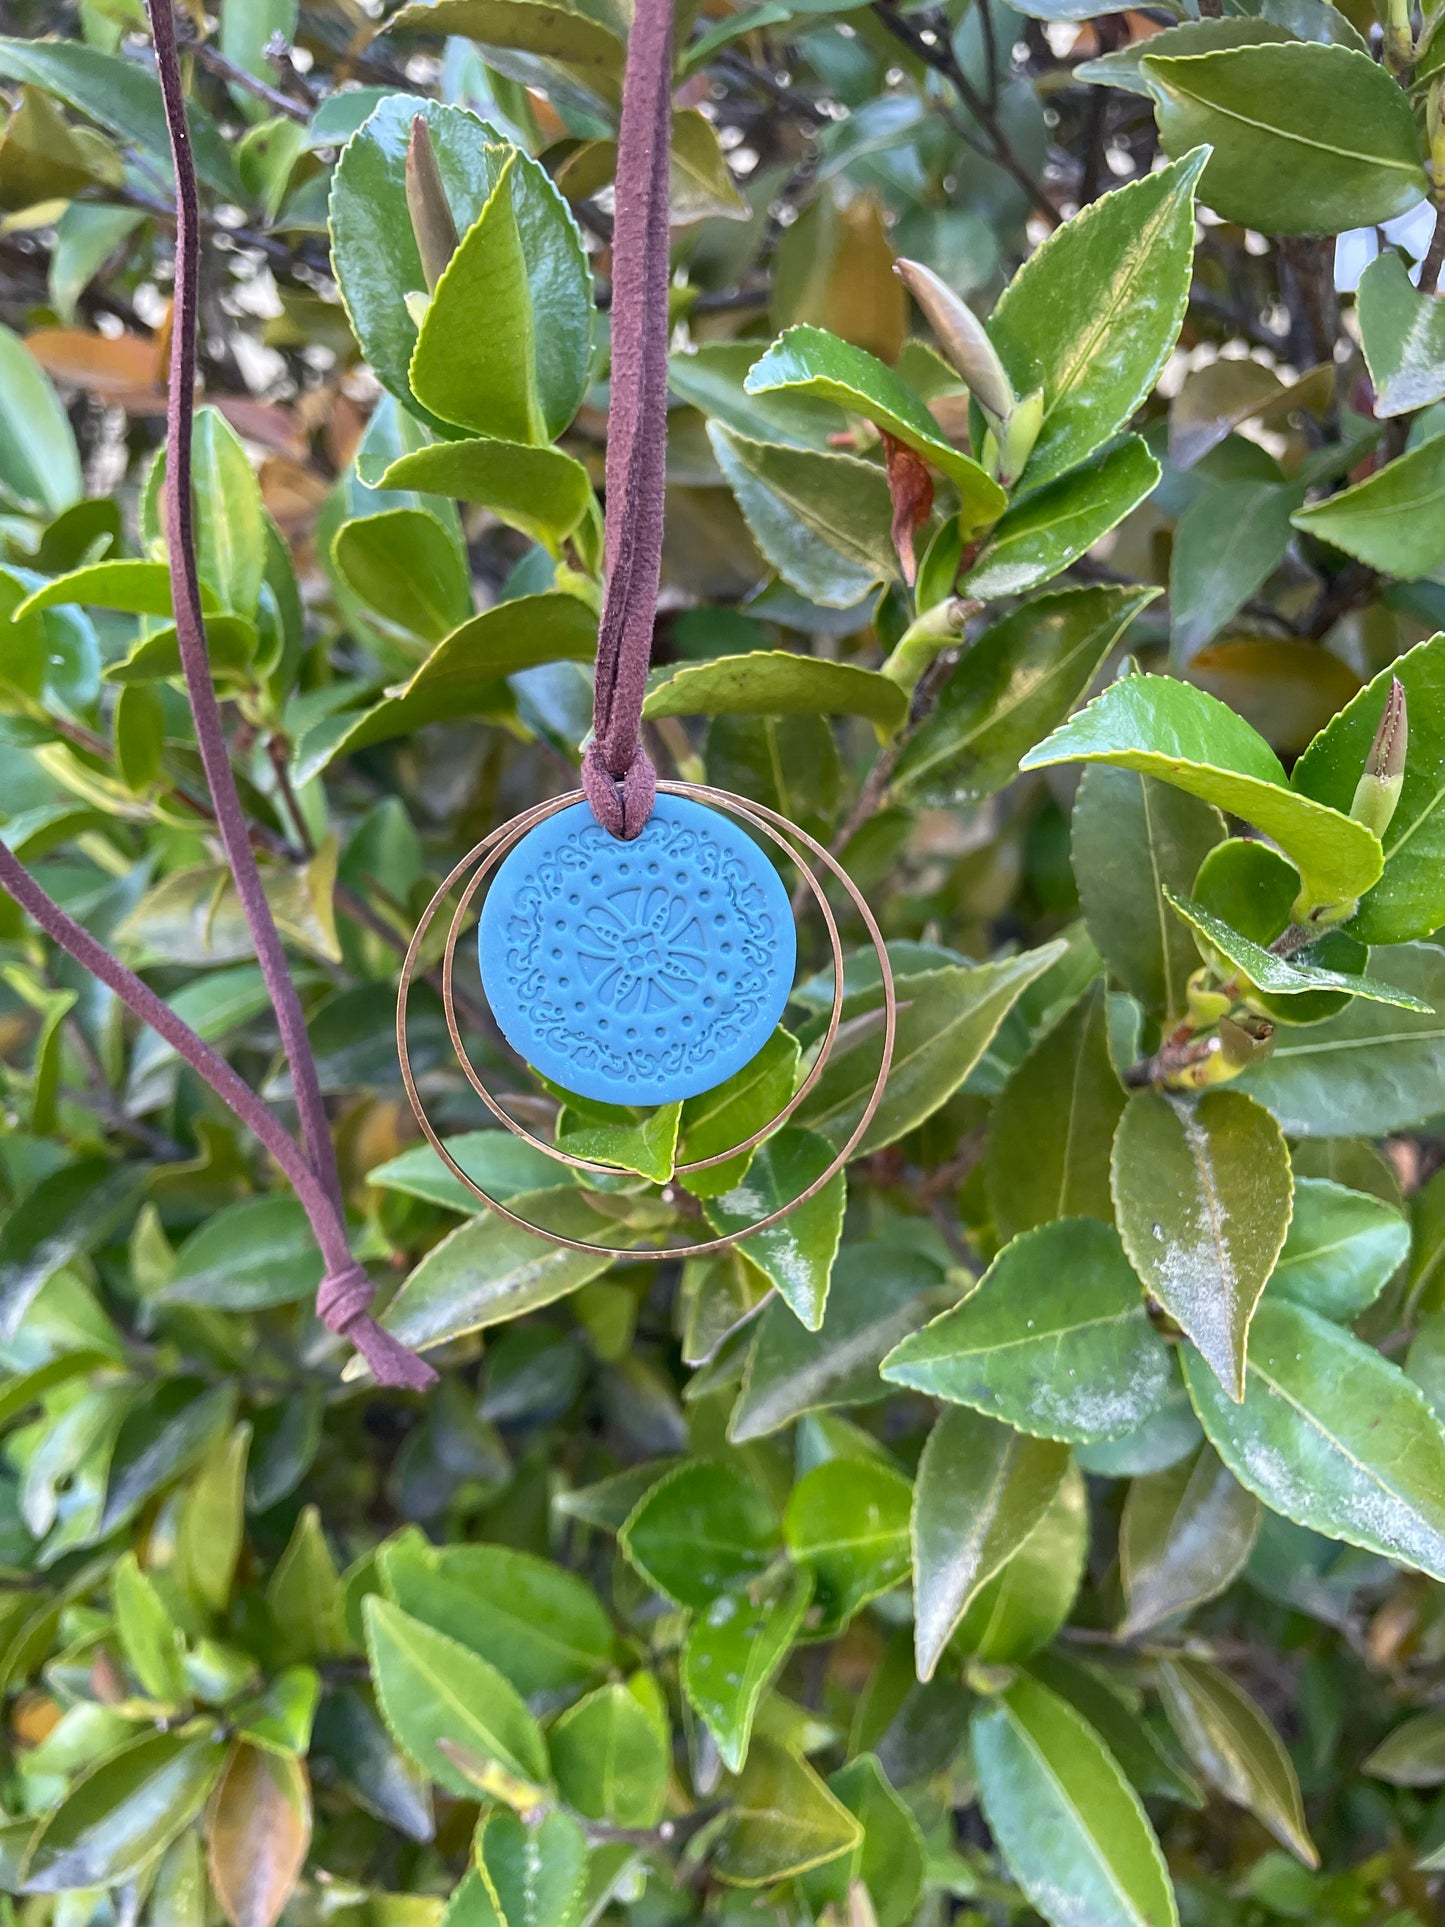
column 226, row 69
column 1435, row 257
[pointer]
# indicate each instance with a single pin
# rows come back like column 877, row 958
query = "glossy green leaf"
column 1049, row 1132
column 1177, row 733
column 877, row 1294
column 1106, row 1702
column 431, row 1689
column 610, row 1755
column 1121, row 268
column 775, row 682
column 733, row 1653
column 407, row 569
column 1281, row 976
column 980, row 1491
column 731, row 1112
column 1409, row 899
column 1306, row 139
column 577, row 40
column 1054, row 1339
column 1343, row 1248
column 946, row 1020
column 1236, row 1749
column 1132, row 836
column 1184, row 1537
column 1227, row 543
column 613, row 1135
column 1372, row 1069
column 231, row 643
column 796, row 1253
column 230, row 515
column 1039, row 537
column 1023, row 1606
column 542, row 1627
column 160, row 1440
column 149, row 1637
column 701, row 1532
column 1332, row 1435
column 248, row 1256
column 541, row 491
column 847, row 1522
column 124, row 1812
column 1204, row 1191
column 1391, row 520
column 784, row 1821
column 1122, row 69
column 1071, row 1828
column 1414, row 1754
column 534, row 1870
column 811, row 361
column 521, row 262
column 1017, row 682
column 136, row 587
column 500, row 1163
column 822, row 520
column 712, row 377
column 890, row 1859
column 39, row 463
column 1402, row 332
column 73, row 1210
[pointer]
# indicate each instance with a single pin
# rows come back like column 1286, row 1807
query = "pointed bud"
column 1019, row 433
column 1383, row 777
column 962, row 338
column 426, row 202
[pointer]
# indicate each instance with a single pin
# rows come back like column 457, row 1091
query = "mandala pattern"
column 642, row 972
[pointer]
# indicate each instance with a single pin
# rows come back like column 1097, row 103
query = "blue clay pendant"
column 642, row 972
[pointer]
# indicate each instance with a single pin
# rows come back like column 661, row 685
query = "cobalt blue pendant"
column 642, row 972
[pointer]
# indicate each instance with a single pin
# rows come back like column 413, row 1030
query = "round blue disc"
column 641, row 972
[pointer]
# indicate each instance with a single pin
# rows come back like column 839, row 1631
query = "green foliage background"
column 1045, row 1521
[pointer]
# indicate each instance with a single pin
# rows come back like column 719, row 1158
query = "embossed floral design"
column 643, row 950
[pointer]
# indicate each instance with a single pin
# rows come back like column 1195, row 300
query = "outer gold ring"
column 490, row 851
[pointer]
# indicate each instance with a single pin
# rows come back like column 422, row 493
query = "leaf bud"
column 1383, row 777
column 966, row 347
column 1016, row 437
column 426, row 202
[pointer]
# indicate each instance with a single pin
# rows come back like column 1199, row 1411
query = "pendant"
column 637, row 973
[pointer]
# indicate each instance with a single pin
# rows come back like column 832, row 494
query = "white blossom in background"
column 1356, row 249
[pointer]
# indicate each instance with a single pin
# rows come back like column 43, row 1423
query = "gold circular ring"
column 490, row 851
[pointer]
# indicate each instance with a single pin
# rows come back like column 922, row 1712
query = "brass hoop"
column 491, row 850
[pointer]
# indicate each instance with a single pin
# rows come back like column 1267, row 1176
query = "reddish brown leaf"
column 257, row 1834
column 911, row 487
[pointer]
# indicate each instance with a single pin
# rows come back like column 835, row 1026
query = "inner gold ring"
column 491, row 850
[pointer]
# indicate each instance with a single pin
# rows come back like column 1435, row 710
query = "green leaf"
column 1054, row 1339
column 733, row 1110
column 822, row 520
column 797, row 1253
column 810, row 361
column 647, row 1145
column 1402, row 332
column 1391, row 520
column 1150, row 1764
column 784, row 1821
column 534, row 1870
column 230, row 515
column 1041, row 536
column 1343, row 1248
column 306, row 1596
column 776, row 682
column 160, row 1440
column 1235, row 1748
column 124, row 1812
column 1183, row 736
column 1414, row 1754
column 230, row 647
column 611, row 1755
column 1023, row 1606
column 463, row 675
column 1093, row 314
column 543, row 1628
column 701, row 1532
column 149, row 1638
column 847, row 1522
column 135, row 587
column 212, row 1523
column 124, row 98
column 1371, row 1070
column 247, row 1256
column 889, row 1860
column 543, row 27
column 1204, row 36
column 1204, row 1191
column 500, row 1163
column 712, row 377
column 980, row 1491
column 488, row 1271
column 878, row 1294
column 407, row 569
column 1409, row 899
column 73, row 1210
column 1068, row 1823
column 1227, row 543
column 1184, row 1537
column 522, row 264
column 1132, row 837
column 1306, row 139
column 733, row 1653
column 946, row 1021
column 1331, row 1435
column 431, row 1689
column 39, row 462
column 1017, row 682
column 1047, row 1151
column 1281, row 976
column 541, row 491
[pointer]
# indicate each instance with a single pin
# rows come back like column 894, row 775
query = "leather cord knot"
column 621, row 803
column 343, row 1304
